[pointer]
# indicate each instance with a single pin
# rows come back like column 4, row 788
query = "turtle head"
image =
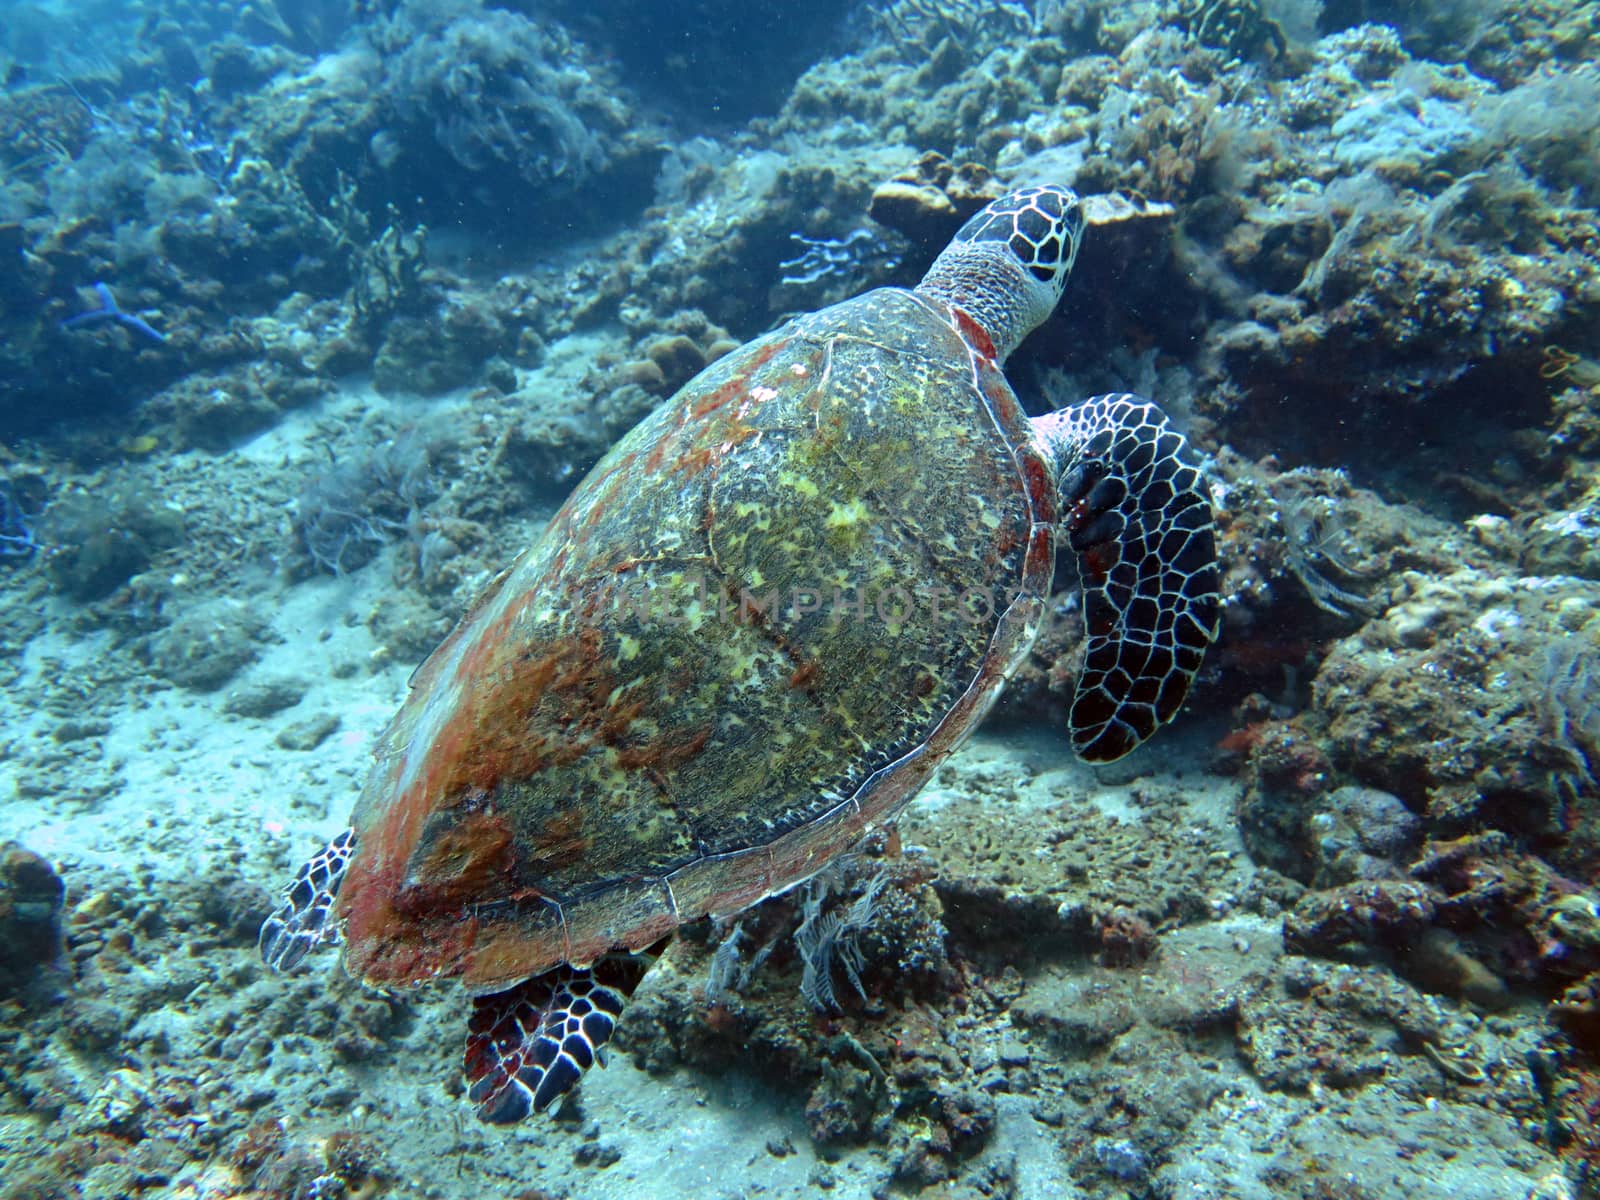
column 1007, row 266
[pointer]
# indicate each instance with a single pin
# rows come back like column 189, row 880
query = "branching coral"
column 922, row 24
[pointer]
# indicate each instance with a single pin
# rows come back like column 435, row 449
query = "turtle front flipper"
column 529, row 1045
column 300, row 923
column 1137, row 513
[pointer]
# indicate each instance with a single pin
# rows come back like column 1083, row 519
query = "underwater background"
column 313, row 311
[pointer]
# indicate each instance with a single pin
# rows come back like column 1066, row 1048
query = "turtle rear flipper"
column 1137, row 512
column 529, row 1045
column 300, row 923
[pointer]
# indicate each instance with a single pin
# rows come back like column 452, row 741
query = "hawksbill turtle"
column 748, row 638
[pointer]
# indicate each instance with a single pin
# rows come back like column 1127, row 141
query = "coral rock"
column 917, row 210
column 929, row 202
column 1578, row 1012
column 1369, row 913
column 678, row 359
column 31, row 895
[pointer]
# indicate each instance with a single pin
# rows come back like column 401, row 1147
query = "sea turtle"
column 748, row 638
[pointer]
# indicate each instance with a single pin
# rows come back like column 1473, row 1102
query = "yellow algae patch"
column 847, row 524
column 847, row 516
column 907, row 400
column 742, row 666
column 800, row 483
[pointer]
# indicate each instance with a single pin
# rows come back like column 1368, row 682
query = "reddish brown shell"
column 739, row 646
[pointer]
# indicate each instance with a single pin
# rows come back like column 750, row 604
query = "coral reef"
column 929, row 202
column 1432, row 702
column 1338, row 935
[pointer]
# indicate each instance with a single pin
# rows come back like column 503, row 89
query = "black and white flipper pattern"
column 529, row 1045
column 301, row 921
column 1137, row 512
